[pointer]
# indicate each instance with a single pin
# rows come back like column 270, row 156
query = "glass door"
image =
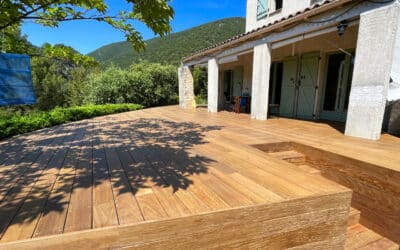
column 339, row 72
column 228, row 85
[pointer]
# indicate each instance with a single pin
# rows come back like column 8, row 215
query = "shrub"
column 144, row 83
column 17, row 123
column 200, row 81
column 201, row 100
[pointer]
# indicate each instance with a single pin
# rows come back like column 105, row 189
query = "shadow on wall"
column 391, row 121
column 40, row 171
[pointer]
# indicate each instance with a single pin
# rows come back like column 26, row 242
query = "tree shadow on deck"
column 60, row 164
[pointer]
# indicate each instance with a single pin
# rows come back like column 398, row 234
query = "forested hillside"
column 171, row 49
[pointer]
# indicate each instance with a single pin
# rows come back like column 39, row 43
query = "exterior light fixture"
column 342, row 27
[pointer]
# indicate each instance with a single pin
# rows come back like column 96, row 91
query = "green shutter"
column 262, row 8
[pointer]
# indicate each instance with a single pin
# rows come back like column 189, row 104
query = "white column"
column 372, row 70
column 260, row 88
column 396, row 56
column 213, row 85
column 186, row 89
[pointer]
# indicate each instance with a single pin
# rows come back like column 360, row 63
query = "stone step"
column 309, row 169
column 290, row 156
column 360, row 237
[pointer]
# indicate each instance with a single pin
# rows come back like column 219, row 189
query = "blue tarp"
column 16, row 86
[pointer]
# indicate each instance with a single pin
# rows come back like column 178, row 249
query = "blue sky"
column 86, row 36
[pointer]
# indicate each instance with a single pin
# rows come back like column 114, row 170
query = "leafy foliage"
column 201, row 100
column 144, row 83
column 59, row 72
column 200, row 80
column 11, row 40
column 172, row 48
column 155, row 14
column 67, row 53
column 60, row 80
column 13, row 123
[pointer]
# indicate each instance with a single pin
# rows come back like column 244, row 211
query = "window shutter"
column 262, row 8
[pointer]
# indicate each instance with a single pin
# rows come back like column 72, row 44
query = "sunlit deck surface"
column 160, row 163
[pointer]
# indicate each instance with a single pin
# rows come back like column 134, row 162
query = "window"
column 334, row 74
column 276, row 5
column 228, row 85
column 264, row 7
column 314, row 1
column 275, row 84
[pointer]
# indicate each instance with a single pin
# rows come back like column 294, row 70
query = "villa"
column 334, row 60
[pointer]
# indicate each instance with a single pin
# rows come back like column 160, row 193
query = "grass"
column 15, row 123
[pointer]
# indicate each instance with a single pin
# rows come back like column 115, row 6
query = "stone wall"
column 186, row 89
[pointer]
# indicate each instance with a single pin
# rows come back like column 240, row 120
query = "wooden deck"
column 164, row 176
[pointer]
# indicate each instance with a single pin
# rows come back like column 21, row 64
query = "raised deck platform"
column 167, row 177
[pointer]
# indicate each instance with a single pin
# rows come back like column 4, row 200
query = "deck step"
column 360, row 237
column 309, row 169
column 290, row 156
column 354, row 217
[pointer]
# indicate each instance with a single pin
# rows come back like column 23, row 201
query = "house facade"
column 335, row 60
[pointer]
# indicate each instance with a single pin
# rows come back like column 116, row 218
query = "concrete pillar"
column 396, row 57
column 213, row 85
column 186, row 89
column 372, row 70
column 260, row 88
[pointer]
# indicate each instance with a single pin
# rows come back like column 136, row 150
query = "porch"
column 315, row 65
column 164, row 177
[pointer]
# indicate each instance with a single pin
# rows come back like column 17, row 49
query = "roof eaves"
column 263, row 29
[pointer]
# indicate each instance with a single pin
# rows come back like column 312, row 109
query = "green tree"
column 11, row 40
column 67, row 53
column 155, row 14
column 60, row 80
column 50, row 83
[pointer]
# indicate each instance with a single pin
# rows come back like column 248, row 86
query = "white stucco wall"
column 289, row 7
column 213, row 85
column 260, row 90
column 394, row 87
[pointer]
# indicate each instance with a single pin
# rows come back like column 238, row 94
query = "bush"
column 201, row 100
column 17, row 123
column 200, row 81
column 144, row 83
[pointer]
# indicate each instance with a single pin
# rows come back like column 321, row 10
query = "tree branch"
column 97, row 18
column 26, row 14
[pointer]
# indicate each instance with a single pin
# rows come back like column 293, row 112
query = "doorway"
column 275, row 87
column 232, row 85
column 299, row 84
column 336, row 92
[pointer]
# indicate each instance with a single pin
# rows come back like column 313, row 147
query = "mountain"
column 172, row 48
